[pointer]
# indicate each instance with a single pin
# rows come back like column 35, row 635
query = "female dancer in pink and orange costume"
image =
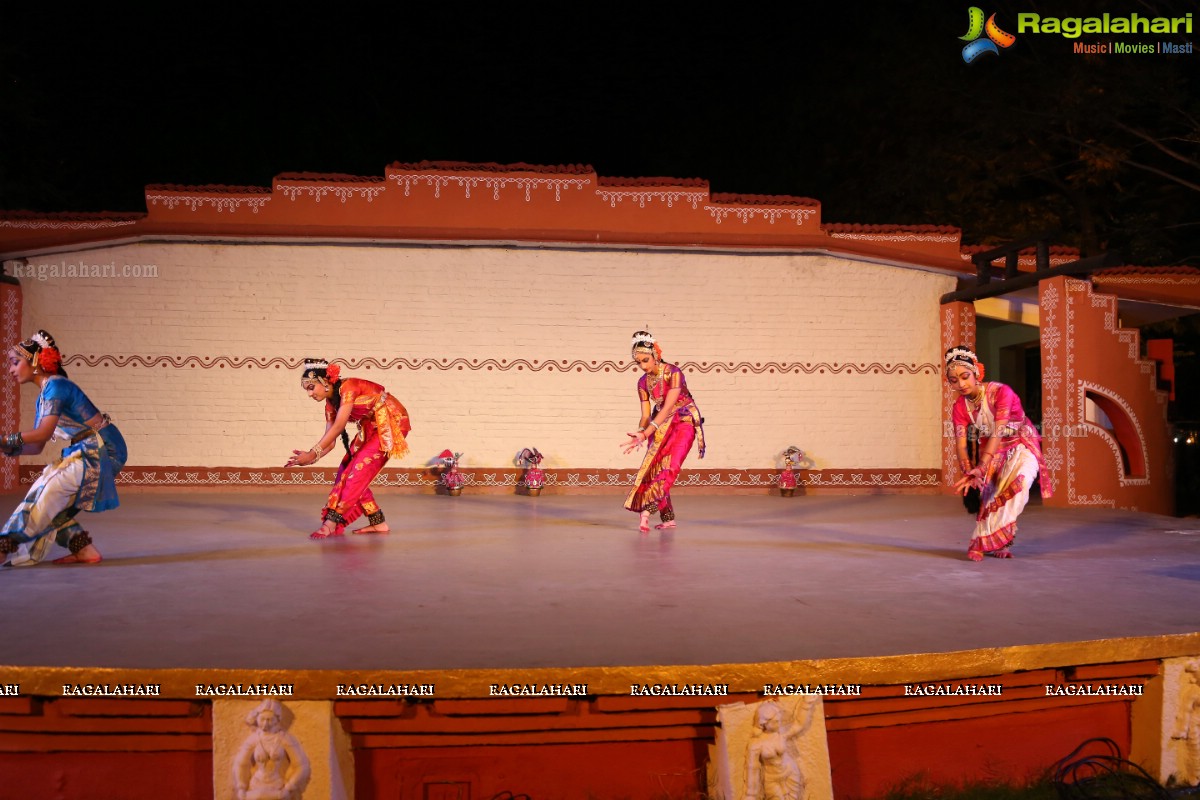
column 669, row 425
column 1010, row 453
column 382, row 425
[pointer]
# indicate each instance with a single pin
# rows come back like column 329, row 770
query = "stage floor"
column 230, row 581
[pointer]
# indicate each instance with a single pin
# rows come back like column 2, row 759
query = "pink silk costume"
column 670, row 444
column 382, row 425
column 1010, row 473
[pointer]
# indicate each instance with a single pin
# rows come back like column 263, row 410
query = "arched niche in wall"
column 1111, row 418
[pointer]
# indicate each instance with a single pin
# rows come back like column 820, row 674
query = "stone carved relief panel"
column 1181, row 721
column 771, row 750
column 271, row 763
column 264, row 749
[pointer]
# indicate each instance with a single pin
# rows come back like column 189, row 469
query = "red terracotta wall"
column 95, row 775
column 80, row 749
column 1087, row 355
column 607, row 746
column 1012, row 749
column 1162, row 351
column 630, row 769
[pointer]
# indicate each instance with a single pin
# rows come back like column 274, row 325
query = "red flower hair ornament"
column 49, row 360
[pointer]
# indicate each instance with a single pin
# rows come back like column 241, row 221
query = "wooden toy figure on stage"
column 84, row 476
column 669, row 424
column 1010, row 453
column 382, row 425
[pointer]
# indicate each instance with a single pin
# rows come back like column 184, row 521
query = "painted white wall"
column 429, row 302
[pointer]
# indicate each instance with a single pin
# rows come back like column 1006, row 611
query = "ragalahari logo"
column 976, row 28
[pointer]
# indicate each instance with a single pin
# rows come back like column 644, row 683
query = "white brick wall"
column 477, row 303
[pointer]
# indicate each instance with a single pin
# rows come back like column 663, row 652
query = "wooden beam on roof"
column 985, row 288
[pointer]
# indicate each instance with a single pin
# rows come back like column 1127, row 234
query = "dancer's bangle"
column 655, row 424
column 12, row 443
column 317, row 452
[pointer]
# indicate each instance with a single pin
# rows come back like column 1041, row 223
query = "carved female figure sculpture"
column 772, row 760
column 270, row 765
column 1188, row 728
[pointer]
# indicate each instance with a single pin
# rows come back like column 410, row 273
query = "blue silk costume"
column 82, row 479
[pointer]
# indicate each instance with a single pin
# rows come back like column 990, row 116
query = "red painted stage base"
column 603, row 747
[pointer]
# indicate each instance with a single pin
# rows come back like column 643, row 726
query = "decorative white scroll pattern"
column 1109, row 439
column 747, row 213
column 10, row 392
column 496, row 183
column 66, row 225
column 643, row 196
column 1130, row 337
column 508, row 478
column 1171, row 280
column 319, row 190
column 956, row 330
column 1076, row 410
column 1053, row 451
column 870, row 479
column 1051, row 335
column 895, row 237
column 1052, row 378
column 168, row 477
column 221, row 202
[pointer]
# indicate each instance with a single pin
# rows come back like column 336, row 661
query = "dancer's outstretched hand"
column 972, row 480
column 301, row 458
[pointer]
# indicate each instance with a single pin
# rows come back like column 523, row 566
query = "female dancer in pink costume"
column 670, row 423
column 1010, row 453
column 382, row 425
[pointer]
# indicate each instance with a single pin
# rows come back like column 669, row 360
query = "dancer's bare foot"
column 644, row 523
column 88, row 555
column 975, row 555
column 665, row 526
column 24, row 556
column 380, row 528
column 1003, row 552
column 327, row 529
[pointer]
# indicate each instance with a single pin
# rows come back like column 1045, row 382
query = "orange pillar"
column 10, row 392
column 958, row 328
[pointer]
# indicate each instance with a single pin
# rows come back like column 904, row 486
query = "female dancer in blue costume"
column 82, row 479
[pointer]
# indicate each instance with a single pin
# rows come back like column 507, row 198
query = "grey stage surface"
column 230, row 580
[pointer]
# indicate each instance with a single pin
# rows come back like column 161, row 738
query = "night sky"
column 867, row 107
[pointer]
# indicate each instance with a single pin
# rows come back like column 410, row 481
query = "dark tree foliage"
column 1104, row 147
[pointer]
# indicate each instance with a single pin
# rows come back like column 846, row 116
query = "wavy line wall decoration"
column 501, row 365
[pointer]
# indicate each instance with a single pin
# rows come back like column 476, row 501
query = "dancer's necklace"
column 657, row 379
